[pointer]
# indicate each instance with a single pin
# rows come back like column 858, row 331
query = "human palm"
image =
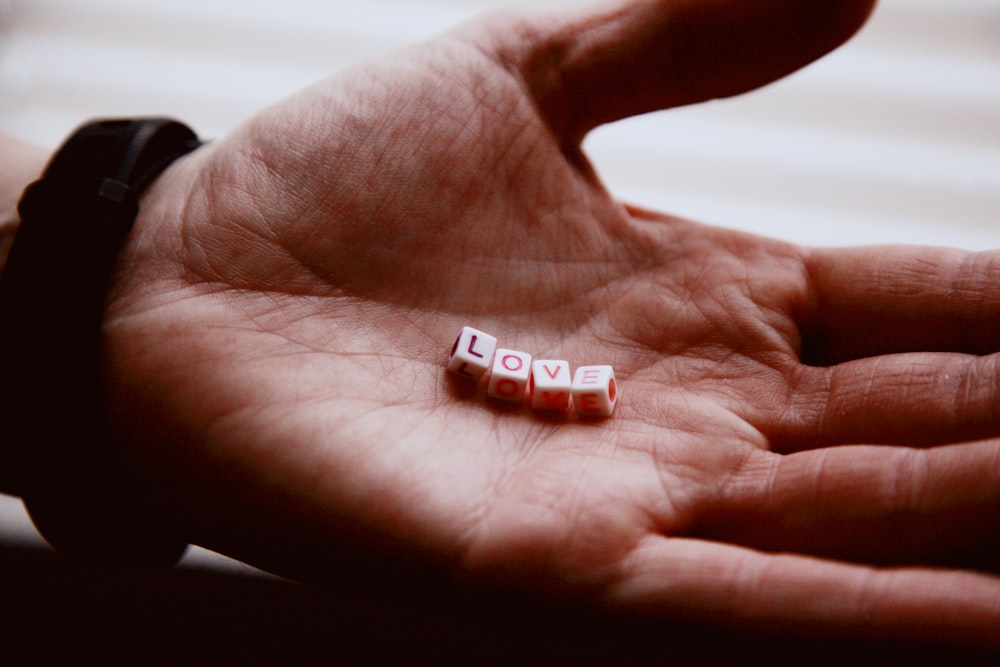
column 277, row 339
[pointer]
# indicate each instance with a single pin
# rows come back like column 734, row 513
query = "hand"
column 791, row 421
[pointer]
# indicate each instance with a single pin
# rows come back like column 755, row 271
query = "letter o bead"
column 595, row 392
column 509, row 376
column 472, row 353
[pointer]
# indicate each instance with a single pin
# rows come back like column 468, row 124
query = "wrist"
column 22, row 164
column 70, row 470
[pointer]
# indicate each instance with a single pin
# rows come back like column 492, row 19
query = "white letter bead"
column 551, row 384
column 509, row 377
column 594, row 391
column 472, row 353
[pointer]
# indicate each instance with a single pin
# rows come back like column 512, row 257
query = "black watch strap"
column 56, row 450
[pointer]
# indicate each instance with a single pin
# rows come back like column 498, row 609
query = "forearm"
column 21, row 164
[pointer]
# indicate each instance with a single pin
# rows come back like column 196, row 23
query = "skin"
column 803, row 438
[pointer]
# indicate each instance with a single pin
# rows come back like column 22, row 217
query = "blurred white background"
column 894, row 138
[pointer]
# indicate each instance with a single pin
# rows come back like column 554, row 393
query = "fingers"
column 881, row 505
column 873, row 301
column 634, row 57
column 895, row 342
column 691, row 580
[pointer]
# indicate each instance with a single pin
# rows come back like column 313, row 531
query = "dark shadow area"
column 55, row 612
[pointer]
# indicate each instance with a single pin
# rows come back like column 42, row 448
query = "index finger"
column 882, row 300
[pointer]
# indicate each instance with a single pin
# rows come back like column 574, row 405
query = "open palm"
column 277, row 338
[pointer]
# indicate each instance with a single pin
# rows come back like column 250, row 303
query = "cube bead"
column 509, row 376
column 595, row 392
column 551, row 384
column 472, row 354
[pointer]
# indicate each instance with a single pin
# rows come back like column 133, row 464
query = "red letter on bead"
column 472, row 353
column 551, row 384
column 595, row 392
column 509, row 377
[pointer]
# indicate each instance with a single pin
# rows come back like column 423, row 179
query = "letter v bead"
column 551, row 384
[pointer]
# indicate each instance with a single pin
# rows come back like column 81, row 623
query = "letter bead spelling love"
column 547, row 384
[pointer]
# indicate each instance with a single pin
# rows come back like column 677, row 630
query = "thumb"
column 628, row 58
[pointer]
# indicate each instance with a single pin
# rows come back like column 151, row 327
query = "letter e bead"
column 472, row 353
column 551, row 384
column 509, row 377
column 595, row 392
